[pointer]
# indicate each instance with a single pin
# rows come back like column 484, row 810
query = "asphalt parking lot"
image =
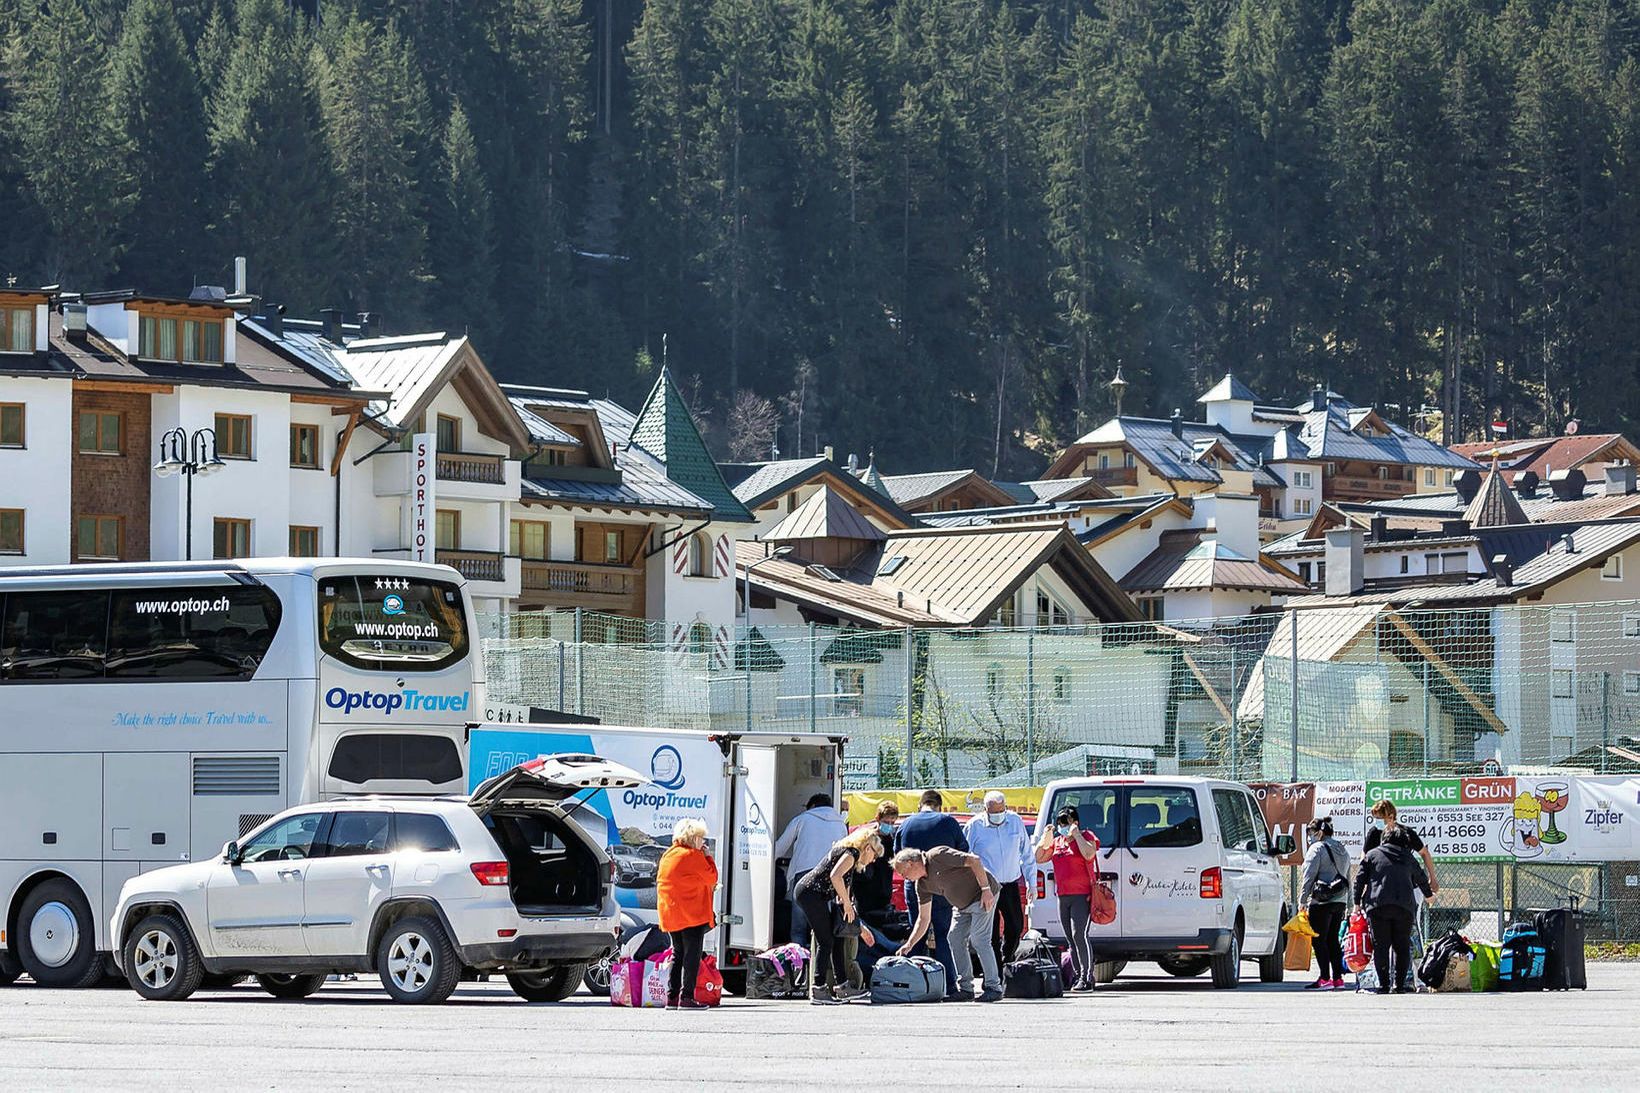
column 1145, row 1032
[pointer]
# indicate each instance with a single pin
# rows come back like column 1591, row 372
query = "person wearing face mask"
column 874, row 894
column 999, row 837
column 1383, row 819
column 1072, row 852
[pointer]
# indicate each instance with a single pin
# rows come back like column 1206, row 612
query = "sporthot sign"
column 1550, row 818
column 423, row 497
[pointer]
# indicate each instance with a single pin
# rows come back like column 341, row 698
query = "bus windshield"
column 405, row 623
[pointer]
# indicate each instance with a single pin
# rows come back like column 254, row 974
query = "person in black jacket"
column 1384, row 887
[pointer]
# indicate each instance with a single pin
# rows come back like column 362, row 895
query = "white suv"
column 416, row 890
column 1194, row 871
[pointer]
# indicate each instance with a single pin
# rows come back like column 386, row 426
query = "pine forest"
column 928, row 229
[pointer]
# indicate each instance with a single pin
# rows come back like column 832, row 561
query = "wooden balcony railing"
column 475, row 565
column 1115, row 476
column 488, row 470
column 583, row 584
column 1366, row 489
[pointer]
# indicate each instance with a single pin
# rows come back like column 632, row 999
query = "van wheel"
column 56, row 938
column 9, row 969
column 161, row 962
column 552, row 985
column 1183, row 966
column 417, row 963
column 1273, row 968
column 290, row 986
column 1227, row 968
column 1106, row 971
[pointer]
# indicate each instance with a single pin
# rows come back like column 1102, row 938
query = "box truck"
column 745, row 786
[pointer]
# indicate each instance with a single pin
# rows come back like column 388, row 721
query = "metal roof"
column 666, row 429
column 411, row 369
column 825, row 515
column 1330, row 435
column 912, row 489
column 1323, row 634
column 1494, row 505
column 1229, row 389
column 1186, row 560
column 755, row 483
column 309, row 345
column 1540, row 454
column 540, row 429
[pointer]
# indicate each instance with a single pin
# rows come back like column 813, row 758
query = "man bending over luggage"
column 972, row 891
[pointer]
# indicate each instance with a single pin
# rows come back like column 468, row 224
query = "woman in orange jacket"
column 683, row 894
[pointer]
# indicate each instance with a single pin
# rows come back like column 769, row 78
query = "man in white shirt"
column 999, row 837
column 806, row 842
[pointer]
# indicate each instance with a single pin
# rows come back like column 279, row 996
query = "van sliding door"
column 748, row 861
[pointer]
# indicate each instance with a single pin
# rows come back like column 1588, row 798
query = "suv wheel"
column 56, row 939
column 417, row 963
column 1273, row 968
column 290, row 986
column 1227, row 968
column 597, row 976
column 161, row 962
column 552, row 985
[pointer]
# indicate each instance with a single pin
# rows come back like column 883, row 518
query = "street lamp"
column 778, row 552
column 188, row 454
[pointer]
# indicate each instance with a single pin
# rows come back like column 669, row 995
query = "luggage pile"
column 1545, row 953
column 1035, row 971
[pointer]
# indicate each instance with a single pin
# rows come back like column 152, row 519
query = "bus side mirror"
column 1284, row 845
column 230, row 853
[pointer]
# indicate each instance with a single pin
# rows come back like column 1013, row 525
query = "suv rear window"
column 400, row 757
column 398, row 623
column 420, row 831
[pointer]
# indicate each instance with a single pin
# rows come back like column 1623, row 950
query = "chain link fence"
column 1326, row 694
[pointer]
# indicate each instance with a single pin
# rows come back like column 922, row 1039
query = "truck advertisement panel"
column 686, row 781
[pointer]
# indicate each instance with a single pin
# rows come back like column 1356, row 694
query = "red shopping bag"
column 709, row 982
column 1357, row 943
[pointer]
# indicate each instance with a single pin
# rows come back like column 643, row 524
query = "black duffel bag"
column 1034, row 977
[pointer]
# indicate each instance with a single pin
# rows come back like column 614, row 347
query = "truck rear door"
column 749, row 878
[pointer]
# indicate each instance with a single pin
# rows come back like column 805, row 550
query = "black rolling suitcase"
column 1562, row 933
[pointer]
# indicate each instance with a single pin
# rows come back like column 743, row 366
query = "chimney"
column 1454, row 527
column 1571, row 544
column 853, row 463
column 1467, row 483
column 332, row 324
column 829, row 452
column 1177, row 422
column 1568, row 484
column 1344, row 560
column 1380, row 528
column 273, row 320
column 1502, row 571
column 365, row 319
column 1619, row 479
column 1318, row 398
column 239, row 276
column 1526, row 484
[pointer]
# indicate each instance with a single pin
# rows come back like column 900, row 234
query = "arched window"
column 700, row 555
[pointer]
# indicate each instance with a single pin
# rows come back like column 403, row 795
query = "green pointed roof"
column 666, row 430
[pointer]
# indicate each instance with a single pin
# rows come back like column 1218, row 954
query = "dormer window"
column 186, row 341
column 16, row 330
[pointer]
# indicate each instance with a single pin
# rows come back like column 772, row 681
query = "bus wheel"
column 56, row 938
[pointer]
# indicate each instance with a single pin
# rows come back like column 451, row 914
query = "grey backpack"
column 907, row 979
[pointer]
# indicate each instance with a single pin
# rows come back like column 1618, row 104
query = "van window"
column 1235, row 826
column 1260, row 830
column 399, row 757
column 1095, row 806
column 1163, row 816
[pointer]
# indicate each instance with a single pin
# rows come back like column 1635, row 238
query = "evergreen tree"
column 462, row 232
column 156, row 98
column 68, row 141
column 270, row 173
column 375, row 113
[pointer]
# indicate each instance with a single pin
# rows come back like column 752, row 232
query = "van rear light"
column 490, row 872
column 1041, row 884
column 1213, row 883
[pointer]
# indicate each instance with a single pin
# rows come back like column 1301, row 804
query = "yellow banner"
column 862, row 805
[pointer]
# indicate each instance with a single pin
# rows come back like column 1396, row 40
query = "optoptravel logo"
column 388, row 703
column 666, row 767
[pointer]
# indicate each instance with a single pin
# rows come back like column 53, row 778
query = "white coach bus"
column 151, row 712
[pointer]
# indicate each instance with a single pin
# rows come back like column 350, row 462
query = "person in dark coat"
column 928, row 829
column 1384, row 887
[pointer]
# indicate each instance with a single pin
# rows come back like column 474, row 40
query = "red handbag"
column 709, row 983
column 1357, row 943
